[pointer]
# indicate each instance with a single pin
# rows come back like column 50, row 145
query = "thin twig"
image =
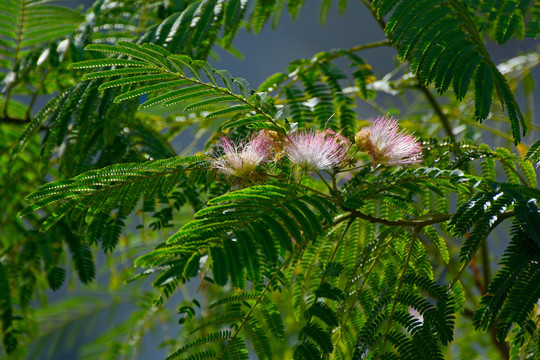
column 514, row 170
column 246, row 318
column 324, row 181
column 335, row 55
column 437, row 108
column 486, row 266
column 430, row 221
column 527, row 346
column 487, row 128
column 431, row 99
column 35, row 95
column 9, row 120
column 501, row 218
column 400, row 284
column 16, row 56
column 301, row 185
column 323, row 277
column 364, row 282
column 203, row 279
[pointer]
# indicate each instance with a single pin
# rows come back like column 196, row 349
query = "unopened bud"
column 362, row 141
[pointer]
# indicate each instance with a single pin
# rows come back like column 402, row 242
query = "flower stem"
column 246, row 318
column 438, row 110
column 323, row 277
column 301, row 185
column 400, row 285
column 325, row 182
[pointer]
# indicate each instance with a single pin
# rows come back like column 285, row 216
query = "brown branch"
column 19, row 121
column 429, row 96
column 353, row 213
column 437, row 108
column 486, row 266
column 6, row 119
column 502, row 347
column 476, row 274
column 430, row 221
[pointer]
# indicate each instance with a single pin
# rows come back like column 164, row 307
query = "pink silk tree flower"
column 388, row 145
column 316, row 150
column 242, row 159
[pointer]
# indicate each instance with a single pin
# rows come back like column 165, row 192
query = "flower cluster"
column 310, row 150
column 316, row 150
column 320, row 150
column 242, row 159
column 387, row 145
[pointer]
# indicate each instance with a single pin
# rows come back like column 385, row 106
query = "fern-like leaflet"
column 91, row 196
column 440, row 37
column 198, row 85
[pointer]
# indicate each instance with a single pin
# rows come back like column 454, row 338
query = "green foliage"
column 323, row 102
column 513, row 292
column 92, row 196
column 26, row 24
column 9, row 340
column 355, row 260
column 253, row 224
column 199, row 86
column 210, row 338
column 444, row 47
column 401, row 185
column 425, row 335
column 533, row 153
column 508, row 20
